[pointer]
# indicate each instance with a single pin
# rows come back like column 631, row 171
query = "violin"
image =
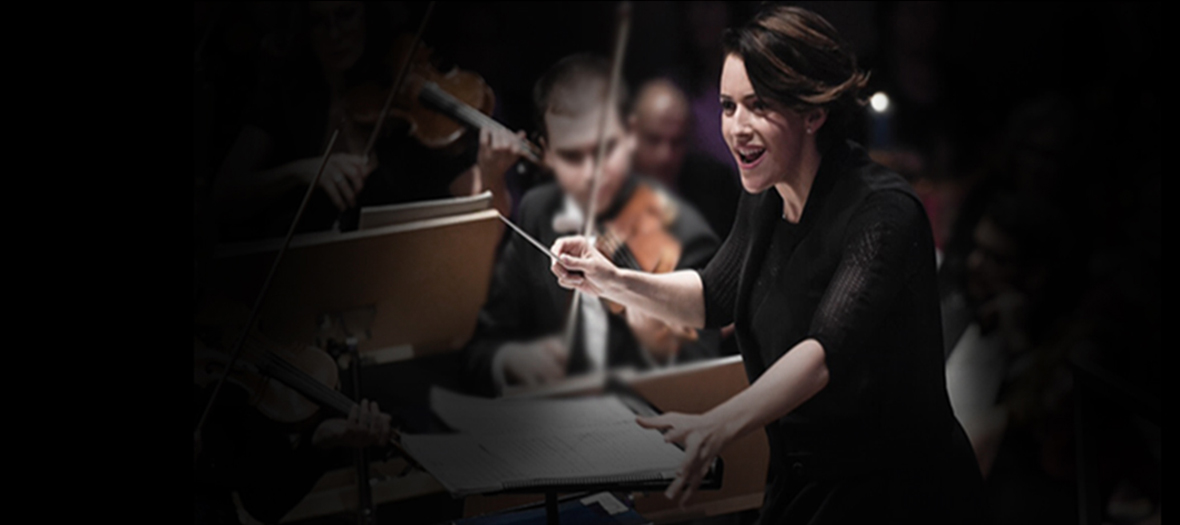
column 436, row 107
column 638, row 239
column 287, row 384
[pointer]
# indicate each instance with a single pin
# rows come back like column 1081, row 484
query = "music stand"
column 421, row 282
column 641, row 407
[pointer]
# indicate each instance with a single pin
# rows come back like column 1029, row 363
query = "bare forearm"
column 792, row 380
column 675, row 297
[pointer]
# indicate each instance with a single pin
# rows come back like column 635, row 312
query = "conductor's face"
column 571, row 149
column 766, row 141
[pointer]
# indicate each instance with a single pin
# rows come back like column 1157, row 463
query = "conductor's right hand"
column 580, row 266
column 534, row 362
column 343, row 176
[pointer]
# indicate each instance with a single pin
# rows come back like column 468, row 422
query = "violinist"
column 269, row 465
column 519, row 337
column 303, row 95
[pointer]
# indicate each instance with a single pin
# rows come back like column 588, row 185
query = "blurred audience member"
column 661, row 120
column 1005, row 301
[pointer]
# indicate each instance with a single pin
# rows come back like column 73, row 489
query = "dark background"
column 969, row 82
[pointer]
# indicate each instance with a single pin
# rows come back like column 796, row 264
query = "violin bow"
column 621, row 34
column 266, row 285
column 399, row 81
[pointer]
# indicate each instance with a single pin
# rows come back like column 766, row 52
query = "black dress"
column 857, row 273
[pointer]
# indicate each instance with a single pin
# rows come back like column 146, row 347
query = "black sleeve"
column 516, row 295
column 719, row 279
column 698, row 243
column 501, row 319
column 879, row 255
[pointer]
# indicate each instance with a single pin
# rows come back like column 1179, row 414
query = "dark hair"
column 795, row 58
column 292, row 42
column 574, row 86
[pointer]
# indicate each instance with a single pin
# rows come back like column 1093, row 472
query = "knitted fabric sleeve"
column 719, row 279
column 880, row 252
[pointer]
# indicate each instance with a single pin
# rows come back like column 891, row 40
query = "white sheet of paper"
column 533, row 440
column 483, row 416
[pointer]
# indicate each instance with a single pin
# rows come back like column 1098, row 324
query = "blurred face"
column 991, row 266
column 570, row 150
column 766, row 141
column 661, row 134
column 337, row 34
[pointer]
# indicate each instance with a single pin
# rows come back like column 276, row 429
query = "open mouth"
column 750, row 156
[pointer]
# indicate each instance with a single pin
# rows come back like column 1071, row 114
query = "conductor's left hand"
column 580, row 266
column 702, row 437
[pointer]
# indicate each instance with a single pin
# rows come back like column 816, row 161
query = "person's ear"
column 546, row 160
column 814, row 119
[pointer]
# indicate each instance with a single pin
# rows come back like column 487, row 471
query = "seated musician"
column 269, row 467
column 520, row 335
column 662, row 122
column 302, row 97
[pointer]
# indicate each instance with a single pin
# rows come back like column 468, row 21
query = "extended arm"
column 790, row 381
column 674, row 297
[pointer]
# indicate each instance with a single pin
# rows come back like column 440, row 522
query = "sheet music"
column 588, row 452
column 483, row 416
column 459, row 463
column 378, row 216
column 522, row 442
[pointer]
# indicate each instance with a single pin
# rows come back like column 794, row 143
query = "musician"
column 661, row 120
column 302, row 99
column 270, row 467
column 829, row 274
column 519, row 337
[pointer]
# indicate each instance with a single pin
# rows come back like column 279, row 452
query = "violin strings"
column 314, row 388
column 306, row 383
column 276, row 364
column 256, row 347
column 297, row 378
column 622, row 255
column 628, row 258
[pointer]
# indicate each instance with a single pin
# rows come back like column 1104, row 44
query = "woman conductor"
column 829, row 277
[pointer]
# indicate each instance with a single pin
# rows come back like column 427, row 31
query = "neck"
column 796, row 186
